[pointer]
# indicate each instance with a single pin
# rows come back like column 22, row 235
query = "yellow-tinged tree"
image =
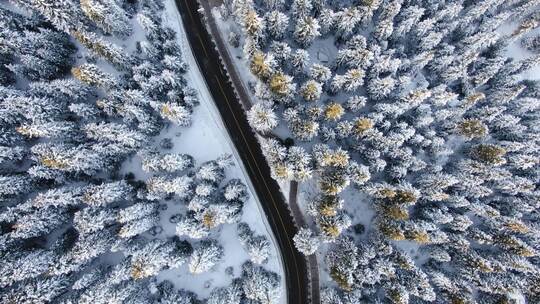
column 311, row 90
column 472, row 128
column 391, row 230
column 280, row 84
column 361, row 125
column 333, row 111
column 489, row 154
column 260, row 65
column 253, row 24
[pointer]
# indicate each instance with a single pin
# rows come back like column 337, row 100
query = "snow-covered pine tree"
column 306, row 242
column 108, row 15
column 259, row 284
column 205, row 256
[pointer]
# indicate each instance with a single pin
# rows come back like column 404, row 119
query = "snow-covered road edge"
column 206, row 101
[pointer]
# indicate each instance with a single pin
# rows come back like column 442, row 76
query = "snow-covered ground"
column 205, row 140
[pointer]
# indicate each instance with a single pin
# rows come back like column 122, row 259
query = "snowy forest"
column 413, row 127
column 86, row 86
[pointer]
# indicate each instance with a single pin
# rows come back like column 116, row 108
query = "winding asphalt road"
column 268, row 191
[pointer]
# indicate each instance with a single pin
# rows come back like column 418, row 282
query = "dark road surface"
column 268, row 191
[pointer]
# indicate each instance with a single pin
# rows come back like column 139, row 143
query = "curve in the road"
column 268, row 191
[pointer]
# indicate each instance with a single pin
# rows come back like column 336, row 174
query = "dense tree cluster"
column 74, row 105
column 421, row 115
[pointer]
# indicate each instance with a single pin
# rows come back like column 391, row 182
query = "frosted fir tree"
column 380, row 88
column 325, row 205
column 258, row 249
column 107, row 292
column 383, row 30
column 210, row 171
column 330, row 295
column 253, row 25
column 276, row 24
column 33, row 109
column 274, row 4
column 39, row 222
column 90, row 220
column 11, row 155
column 333, row 111
column 169, row 295
column 174, row 63
column 311, row 90
column 53, row 59
column 205, row 189
column 257, row 246
column 116, row 134
column 306, row 30
column 406, row 19
column 205, row 256
column 320, row 73
column 235, row 190
column 85, row 111
column 108, row 15
column 189, row 225
column 306, row 242
column 358, row 174
column 136, row 211
column 262, row 117
column 334, row 181
column 332, row 226
column 355, row 103
column 157, row 255
column 262, row 65
column 87, row 248
column 274, row 150
column 44, row 289
column 304, row 129
column 225, row 161
column 178, row 114
column 300, row 163
column 216, row 214
column 64, row 15
column 62, row 90
column 138, row 226
column 148, row 20
column 299, row 62
column 342, row 262
column 282, row 86
column 109, row 51
column 231, row 294
column 232, row 211
column 348, row 82
column 327, row 19
column 25, row 265
column 280, row 51
column 12, row 185
column 92, row 75
column 152, row 161
column 51, row 130
column 159, row 187
column 107, row 193
column 356, row 54
column 259, row 284
column 59, row 197
column 347, row 20
column 301, row 8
